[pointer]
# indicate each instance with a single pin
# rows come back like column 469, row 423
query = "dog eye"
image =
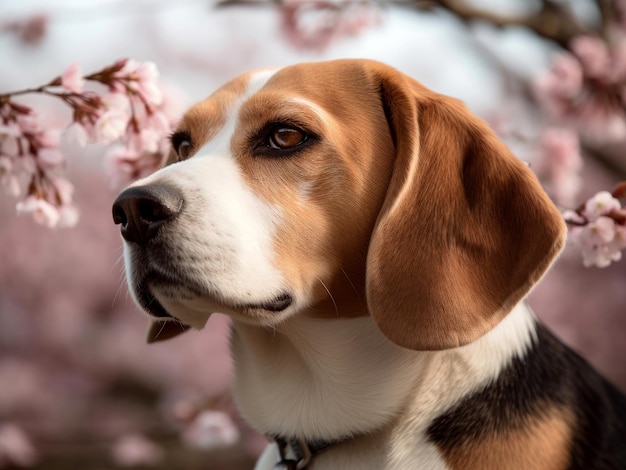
column 184, row 149
column 181, row 143
column 282, row 138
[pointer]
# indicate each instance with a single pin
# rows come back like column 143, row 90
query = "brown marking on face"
column 542, row 444
column 205, row 119
column 330, row 192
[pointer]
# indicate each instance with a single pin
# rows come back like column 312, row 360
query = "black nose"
column 143, row 210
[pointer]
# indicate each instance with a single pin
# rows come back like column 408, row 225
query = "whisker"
column 359, row 295
column 351, row 283
column 180, row 324
column 160, row 330
column 121, row 281
column 331, row 296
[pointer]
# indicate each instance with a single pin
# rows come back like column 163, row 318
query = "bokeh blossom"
column 313, row 25
column 586, row 88
column 211, row 429
column 136, row 449
column 72, row 79
column 16, row 449
column 560, row 164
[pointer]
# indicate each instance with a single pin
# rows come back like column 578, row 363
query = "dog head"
column 340, row 188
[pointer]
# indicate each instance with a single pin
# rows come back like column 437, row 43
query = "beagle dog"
column 372, row 242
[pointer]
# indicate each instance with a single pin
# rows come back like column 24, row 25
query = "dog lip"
column 152, row 306
column 277, row 304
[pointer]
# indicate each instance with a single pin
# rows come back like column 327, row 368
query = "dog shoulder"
column 546, row 409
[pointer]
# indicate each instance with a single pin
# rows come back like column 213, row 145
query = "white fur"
column 325, row 379
column 230, row 228
column 322, row 115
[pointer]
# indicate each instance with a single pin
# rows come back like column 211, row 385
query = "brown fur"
column 476, row 229
column 542, row 444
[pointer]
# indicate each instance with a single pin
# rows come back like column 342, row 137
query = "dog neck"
column 312, row 378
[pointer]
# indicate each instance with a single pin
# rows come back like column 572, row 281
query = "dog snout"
column 141, row 211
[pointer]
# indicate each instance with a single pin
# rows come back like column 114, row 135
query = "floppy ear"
column 465, row 229
column 162, row 330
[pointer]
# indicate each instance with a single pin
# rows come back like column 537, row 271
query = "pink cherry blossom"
column 30, row 30
column 598, row 227
column 142, row 78
column 560, row 163
column 50, row 158
column 315, row 24
column 600, row 204
column 582, row 91
column 42, row 211
column 598, row 122
column 596, row 242
column 80, row 134
column 9, row 140
column 599, row 232
column 600, row 256
column 25, row 165
column 111, row 126
column 49, row 138
column 594, row 56
column 131, row 110
column 68, row 216
column 147, row 76
column 618, row 59
column 211, row 430
column 72, row 79
column 64, row 189
column 564, row 80
column 15, row 447
column 118, row 102
column 136, row 449
column 8, row 180
column 28, row 123
column 619, row 240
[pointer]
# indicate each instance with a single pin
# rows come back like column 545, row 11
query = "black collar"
column 296, row 454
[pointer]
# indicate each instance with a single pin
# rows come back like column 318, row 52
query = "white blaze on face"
column 225, row 231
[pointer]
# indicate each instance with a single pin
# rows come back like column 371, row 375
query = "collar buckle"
column 293, row 454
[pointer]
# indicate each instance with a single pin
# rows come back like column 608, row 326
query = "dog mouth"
column 149, row 301
column 151, row 305
column 278, row 304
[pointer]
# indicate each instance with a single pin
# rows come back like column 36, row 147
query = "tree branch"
column 553, row 21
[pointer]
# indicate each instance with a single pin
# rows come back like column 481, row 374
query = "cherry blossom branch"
column 598, row 227
column 553, row 21
column 130, row 111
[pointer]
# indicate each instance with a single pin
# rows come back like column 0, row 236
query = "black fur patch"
column 549, row 375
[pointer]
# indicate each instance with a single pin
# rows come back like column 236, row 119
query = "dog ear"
column 465, row 229
column 162, row 330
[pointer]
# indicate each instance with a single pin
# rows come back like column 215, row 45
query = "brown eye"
column 184, row 149
column 286, row 138
column 181, row 143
